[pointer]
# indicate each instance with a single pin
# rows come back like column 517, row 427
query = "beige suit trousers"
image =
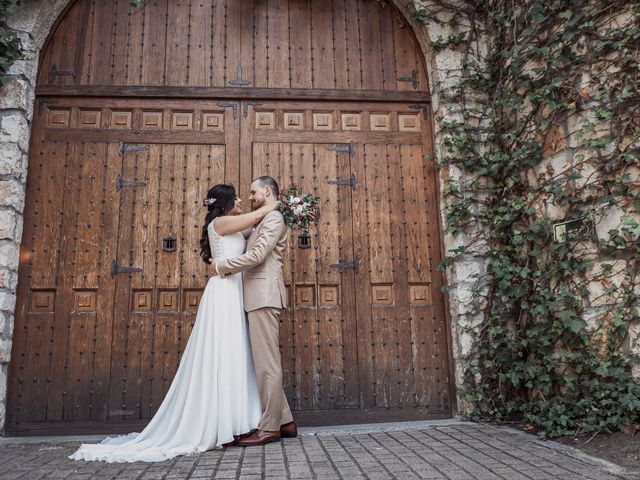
column 264, row 329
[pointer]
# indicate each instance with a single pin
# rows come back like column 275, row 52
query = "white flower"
column 299, row 209
column 296, row 200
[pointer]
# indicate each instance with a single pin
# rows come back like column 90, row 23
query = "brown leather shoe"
column 289, row 430
column 232, row 442
column 259, row 437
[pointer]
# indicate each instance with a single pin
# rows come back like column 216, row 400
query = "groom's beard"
column 255, row 204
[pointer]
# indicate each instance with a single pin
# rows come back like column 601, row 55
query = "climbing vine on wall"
column 546, row 130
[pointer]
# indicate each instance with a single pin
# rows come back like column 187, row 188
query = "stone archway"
column 34, row 23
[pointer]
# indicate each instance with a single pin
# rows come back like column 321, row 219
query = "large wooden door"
column 138, row 111
column 365, row 329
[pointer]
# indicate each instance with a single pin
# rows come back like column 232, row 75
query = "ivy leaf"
column 566, row 15
column 576, row 325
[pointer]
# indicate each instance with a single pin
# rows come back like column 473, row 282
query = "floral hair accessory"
column 208, row 201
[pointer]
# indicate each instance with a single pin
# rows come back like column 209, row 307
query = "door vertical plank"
column 83, row 313
column 399, row 195
column 341, row 47
column 331, row 310
column 20, row 383
column 218, row 43
column 120, row 51
column 154, row 54
column 110, row 208
column 200, row 51
column 288, row 326
column 178, row 45
column 381, row 276
column 300, row 44
column 261, row 52
column 365, row 326
column 102, row 48
column 57, row 401
column 322, row 45
column 304, row 294
column 370, row 45
column 279, row 44
column 386, row 21
column 136, row 40
column 123, row 343
column 353, row 45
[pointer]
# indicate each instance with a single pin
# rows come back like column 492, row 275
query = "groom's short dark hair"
column 271, row 183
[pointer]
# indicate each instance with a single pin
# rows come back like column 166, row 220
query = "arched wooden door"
column 138, row 112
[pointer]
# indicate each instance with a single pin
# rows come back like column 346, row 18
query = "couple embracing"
column 228, row 387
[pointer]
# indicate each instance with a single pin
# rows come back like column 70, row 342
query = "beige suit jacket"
column 262, row 264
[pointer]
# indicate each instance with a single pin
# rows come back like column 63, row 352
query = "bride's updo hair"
column 220, row 199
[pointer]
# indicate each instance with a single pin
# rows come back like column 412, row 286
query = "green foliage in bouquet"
column 300, row 210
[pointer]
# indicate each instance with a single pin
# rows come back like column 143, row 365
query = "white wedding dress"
column 214, row 394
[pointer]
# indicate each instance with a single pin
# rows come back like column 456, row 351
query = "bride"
column 213, row 398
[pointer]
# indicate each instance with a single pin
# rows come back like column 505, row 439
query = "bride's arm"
column 237, row 223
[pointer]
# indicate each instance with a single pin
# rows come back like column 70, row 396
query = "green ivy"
column 548, row 351
column 10, row 45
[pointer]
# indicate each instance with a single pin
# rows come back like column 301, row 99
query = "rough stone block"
column 610, row 221
column 9, row 255
column 5, row 350
column 10, row 158
column 467, row 269
column 7, row 224
column 14, row 95
column 449, row 60
column 14, row 128
column 12, row 194
column 7, row 301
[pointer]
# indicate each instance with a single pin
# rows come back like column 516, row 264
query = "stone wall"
column 33, row 20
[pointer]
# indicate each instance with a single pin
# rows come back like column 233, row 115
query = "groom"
column 264, row 299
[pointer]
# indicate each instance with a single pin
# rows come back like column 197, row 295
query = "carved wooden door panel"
column 402, row 338
column 110, row 273
column 159, row 275
column 66, row 294
column 319, row 350
column 383, row 344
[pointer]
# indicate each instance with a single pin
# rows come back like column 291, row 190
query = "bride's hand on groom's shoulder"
column 268, row 208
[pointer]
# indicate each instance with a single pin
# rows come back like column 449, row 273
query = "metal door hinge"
column 239, row 80
column 122, row 183
column 413, row 79
column 423, row 107
column 355, row 264
column 130, row 148
column 246, row 105
column 116, row 269
column 54, row 72
column 343, row 147
column 352, row 182
column 233, row 106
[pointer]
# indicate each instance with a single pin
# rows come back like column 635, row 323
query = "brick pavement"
column 421, row 450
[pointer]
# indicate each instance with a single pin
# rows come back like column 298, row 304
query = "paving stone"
column 461, row 452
